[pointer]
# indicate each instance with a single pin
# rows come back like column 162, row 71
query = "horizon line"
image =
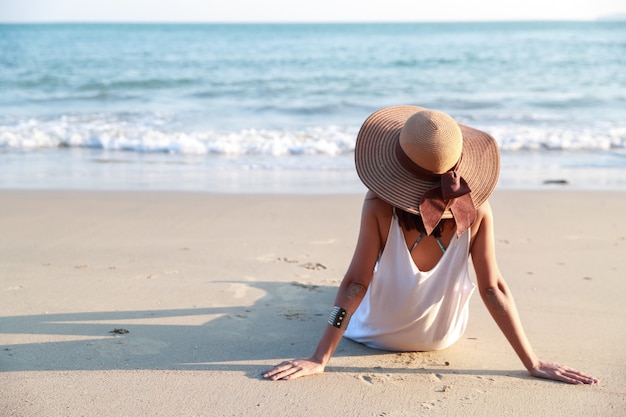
column 303, row 22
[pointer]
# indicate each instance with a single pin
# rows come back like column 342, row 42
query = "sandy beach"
column 214, row 289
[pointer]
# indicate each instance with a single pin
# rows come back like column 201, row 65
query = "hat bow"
column 452, row 193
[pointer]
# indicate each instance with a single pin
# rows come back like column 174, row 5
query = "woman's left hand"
column 558, row 372
column 294, row 369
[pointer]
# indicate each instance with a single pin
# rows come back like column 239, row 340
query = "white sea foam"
column 518, row 138
column 151, row 135
column 139, row 136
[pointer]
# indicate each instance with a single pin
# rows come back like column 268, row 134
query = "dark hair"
column 410, row 221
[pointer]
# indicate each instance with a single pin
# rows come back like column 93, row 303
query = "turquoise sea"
column 276, row 107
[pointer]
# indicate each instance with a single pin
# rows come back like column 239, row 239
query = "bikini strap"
column 419, row 238
column 443, row 248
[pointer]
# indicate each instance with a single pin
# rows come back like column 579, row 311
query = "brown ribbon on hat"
column 452, row 192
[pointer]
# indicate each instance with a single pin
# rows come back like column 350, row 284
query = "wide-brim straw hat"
column 434, row 142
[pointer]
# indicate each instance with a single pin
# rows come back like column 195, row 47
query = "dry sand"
column 215, row 289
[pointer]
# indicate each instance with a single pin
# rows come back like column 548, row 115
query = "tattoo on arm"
column 355, row 290
column 495, row 301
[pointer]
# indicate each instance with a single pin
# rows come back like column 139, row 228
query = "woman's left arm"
column 499, row 301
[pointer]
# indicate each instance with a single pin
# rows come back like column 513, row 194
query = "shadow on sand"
column 247, row 339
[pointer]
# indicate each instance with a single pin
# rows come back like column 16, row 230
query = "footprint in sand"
column 287, row 260
column 146, row 276
column 299, row 315
column 271, row 257
column 367, row 378
column 309, row 287
column 428, row 405
column 372, row 379
column 314, row 266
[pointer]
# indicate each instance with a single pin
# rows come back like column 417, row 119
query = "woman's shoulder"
column 484, row 217
column 484, row 212
column 375, row 219
column 373, row 205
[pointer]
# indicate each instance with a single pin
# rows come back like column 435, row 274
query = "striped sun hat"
column 403, row 152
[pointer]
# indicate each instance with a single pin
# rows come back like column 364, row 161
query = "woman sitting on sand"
column 407, row 287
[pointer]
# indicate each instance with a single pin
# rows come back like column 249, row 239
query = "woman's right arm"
column 349, row 295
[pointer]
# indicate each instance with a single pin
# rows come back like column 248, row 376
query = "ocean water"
column 276, row 107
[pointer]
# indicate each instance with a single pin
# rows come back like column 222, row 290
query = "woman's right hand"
column 294, row 369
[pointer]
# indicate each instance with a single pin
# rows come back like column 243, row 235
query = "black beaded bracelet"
column 339, row 318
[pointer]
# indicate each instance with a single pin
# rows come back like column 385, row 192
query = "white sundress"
column 405, row 309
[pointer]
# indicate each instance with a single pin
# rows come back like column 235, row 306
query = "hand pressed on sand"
column 294, row 369
column 558, row 372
